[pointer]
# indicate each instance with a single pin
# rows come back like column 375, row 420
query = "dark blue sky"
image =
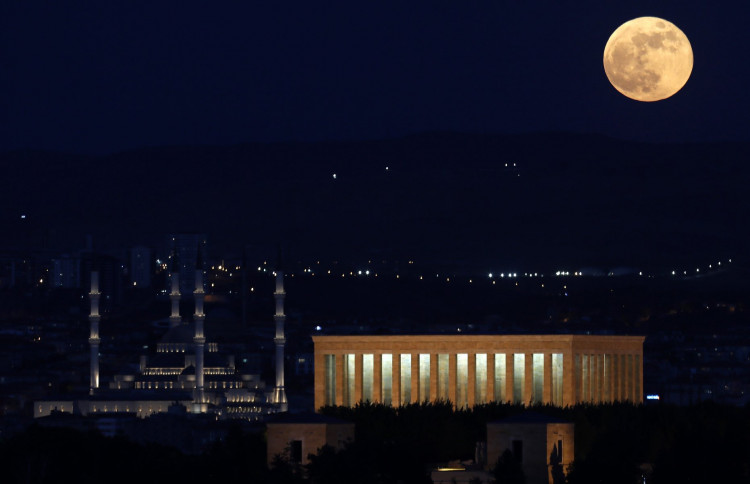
column 107, row 76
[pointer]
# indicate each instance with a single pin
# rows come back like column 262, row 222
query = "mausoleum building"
column 467, row 370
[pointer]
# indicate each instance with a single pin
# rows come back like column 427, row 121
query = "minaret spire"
column 174, row 295
column 279, row 394
column 94, row 332
column 199, row 401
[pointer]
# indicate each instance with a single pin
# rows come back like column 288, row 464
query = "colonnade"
column 348, row 372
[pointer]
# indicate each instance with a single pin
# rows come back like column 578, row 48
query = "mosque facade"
column 187, row 369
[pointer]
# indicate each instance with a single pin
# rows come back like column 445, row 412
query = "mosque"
column 187, row 370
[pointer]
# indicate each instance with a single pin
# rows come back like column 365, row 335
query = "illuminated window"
column 424, row 377
column 500, row 377
column 330, row 379
column 557, row 379
column 405, row 379
column 537, row 376
column 386, row 379
column 480, row 385
column 367, row 377
column 519, row 374
column 462, row 380
column 443, row 375
column 349, row 373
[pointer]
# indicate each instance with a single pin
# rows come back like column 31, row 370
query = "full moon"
column 648, row 59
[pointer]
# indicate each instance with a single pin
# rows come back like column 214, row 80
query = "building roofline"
column 475, row 337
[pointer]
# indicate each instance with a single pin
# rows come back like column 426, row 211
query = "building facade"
column 296, row 436
column 141, row 266
column 467, row 370
column 544, row 446
column 187, row 248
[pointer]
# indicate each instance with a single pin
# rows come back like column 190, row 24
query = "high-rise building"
column 187, row 248
column 141, row 266
column 65, row 272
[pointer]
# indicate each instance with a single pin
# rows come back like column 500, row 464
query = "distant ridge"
column 586, row 199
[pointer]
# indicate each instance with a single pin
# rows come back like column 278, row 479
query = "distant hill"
column 445, row 197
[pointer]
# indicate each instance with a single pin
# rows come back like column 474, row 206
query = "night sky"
column 101, row 77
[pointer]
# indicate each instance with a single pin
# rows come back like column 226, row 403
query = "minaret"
column 174, row 295
column 279, row 394
column 199, row 401
column 94, row 334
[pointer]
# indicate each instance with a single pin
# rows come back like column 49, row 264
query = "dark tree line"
column 616, row 443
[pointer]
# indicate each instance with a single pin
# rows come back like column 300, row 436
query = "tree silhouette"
column 508, row 469
column 556, row 468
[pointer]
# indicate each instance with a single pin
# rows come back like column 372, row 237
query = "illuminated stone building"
column 561, row 370
column 296, row 436
column 543, row 445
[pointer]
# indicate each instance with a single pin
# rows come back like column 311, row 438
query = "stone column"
column 608, row 392
column 358, row 368
column 547, row 390
column 415, row 378
column 490, row 377
column 433, row 377
column 319, row 379
column 396, row 380
column 617, row 376
column 570, row 379
column 377, row 378
column 528, row 378
column 471, row 383
column 510, row 366
column 597, row 378
column 339, row 379
column 452, row 378
column 639, row 376
column 625, row 379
